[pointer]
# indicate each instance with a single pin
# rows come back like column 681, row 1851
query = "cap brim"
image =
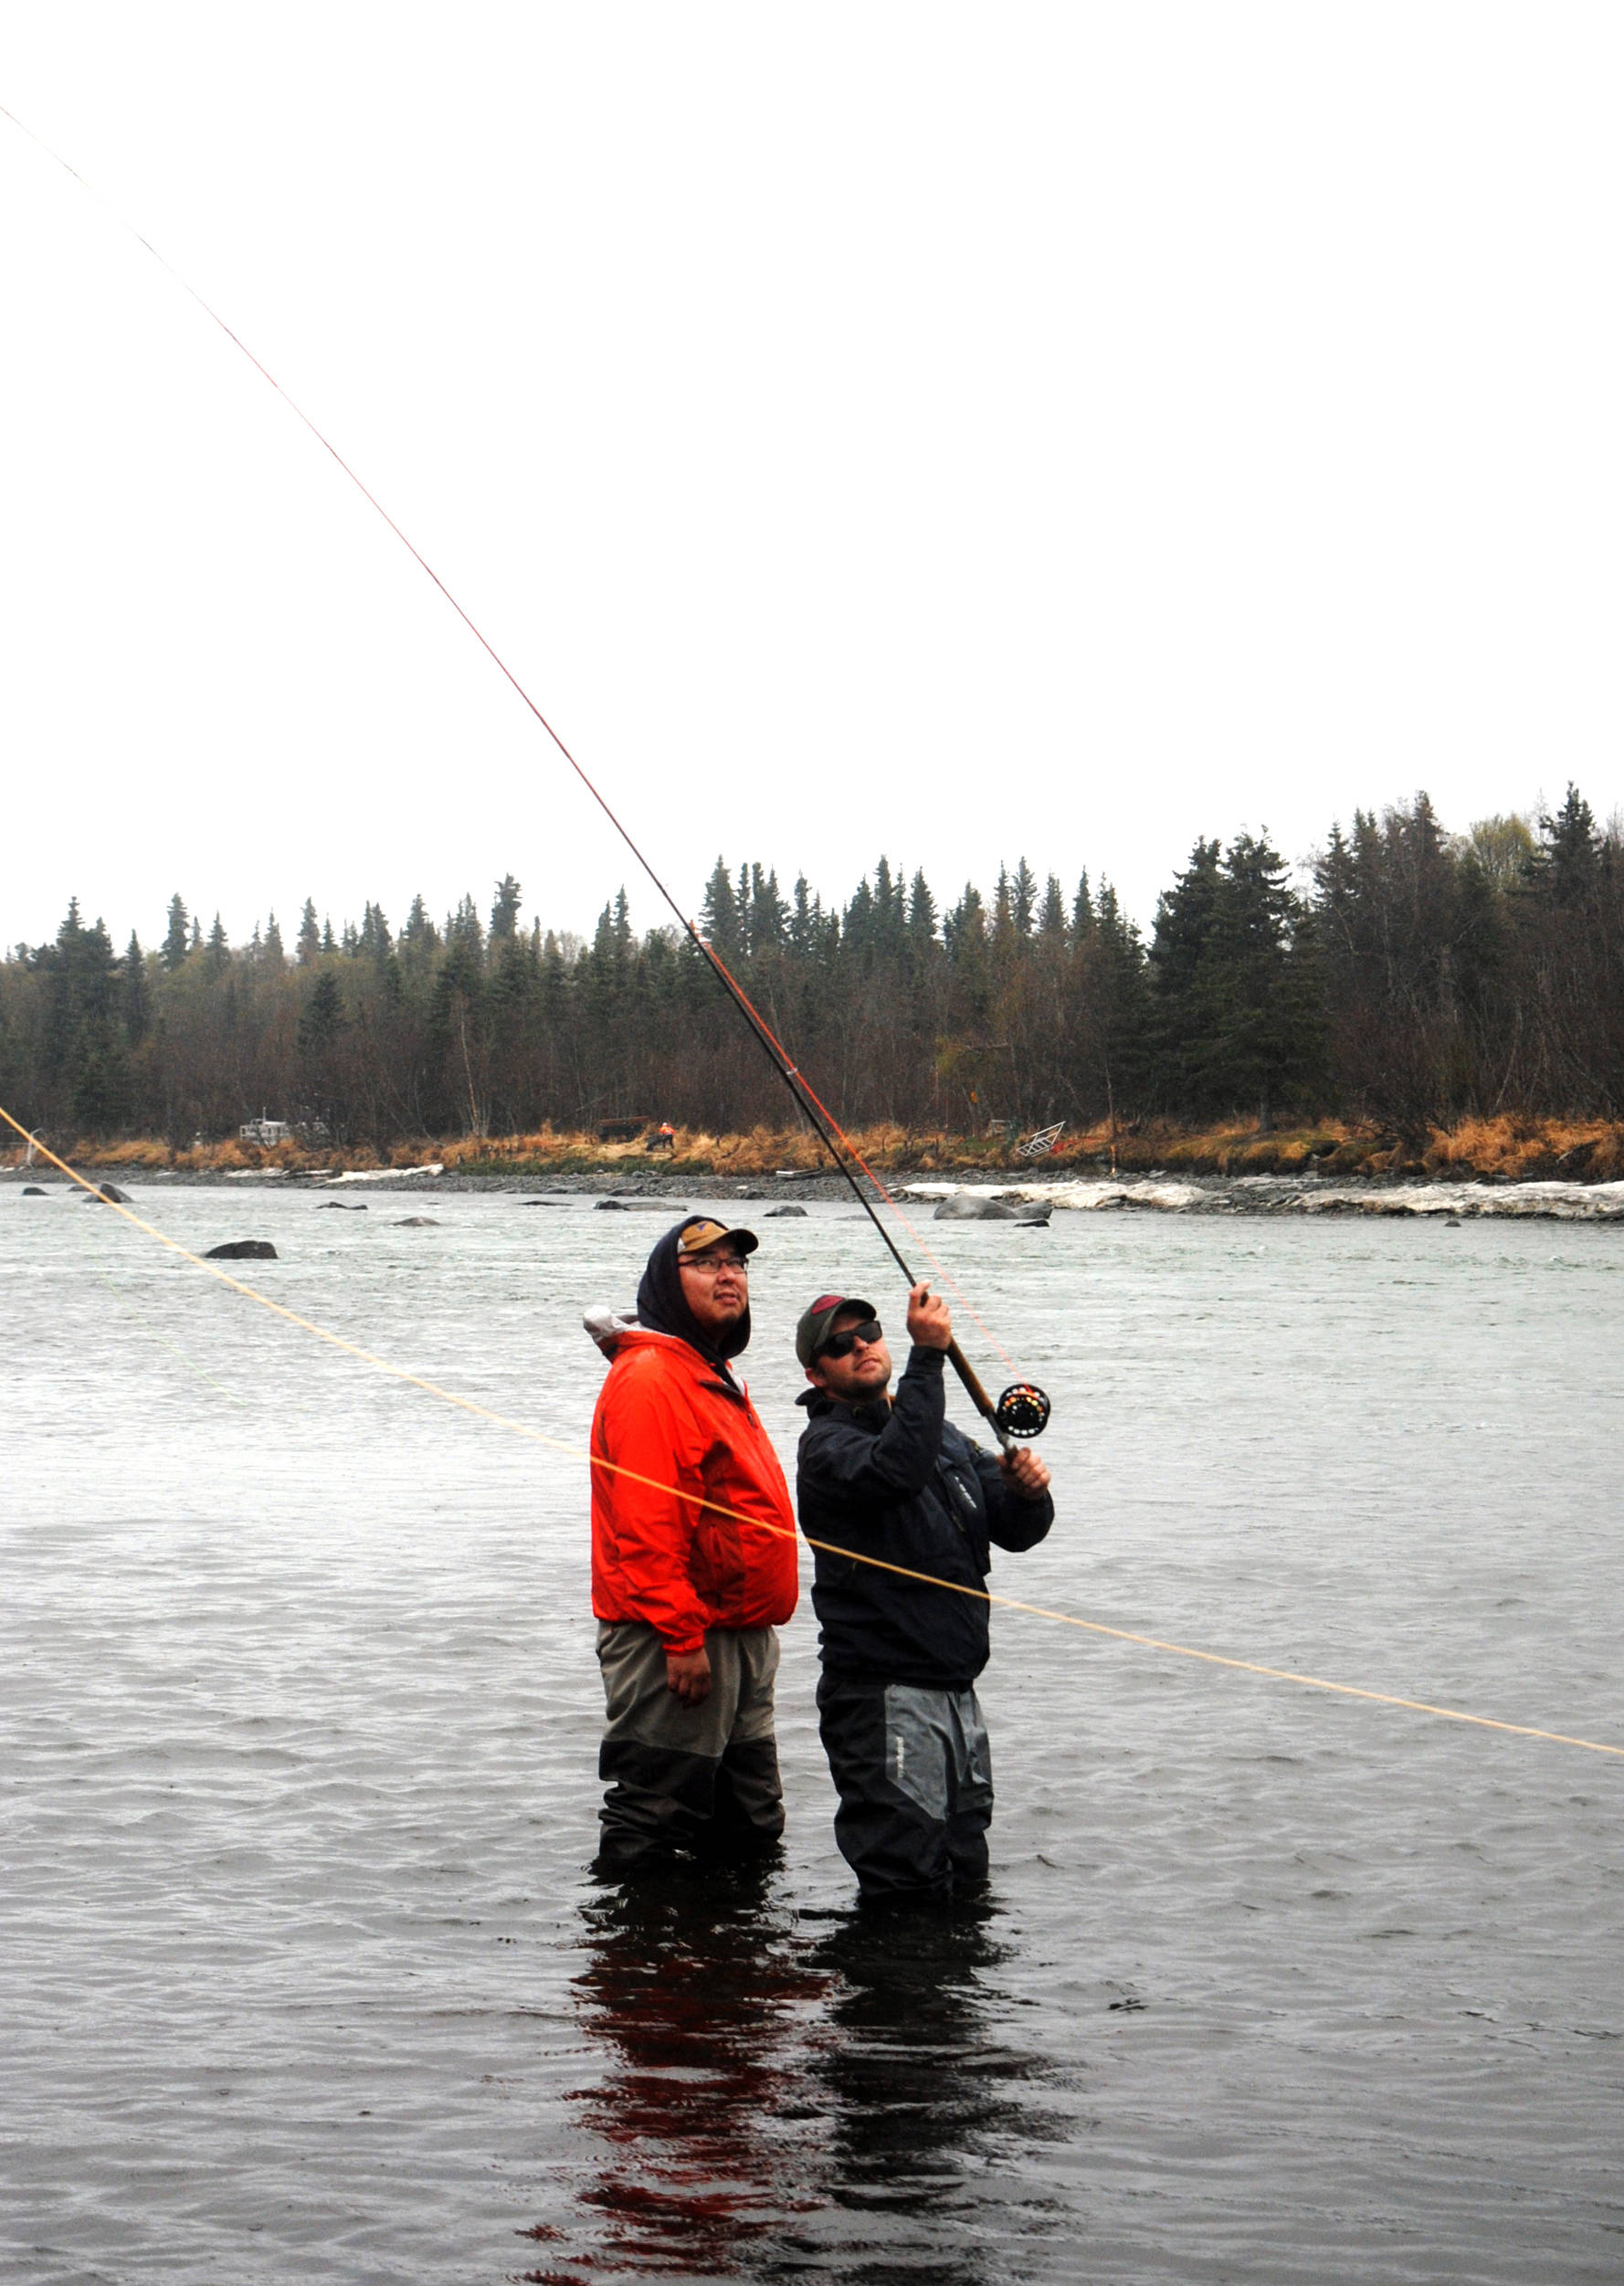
column 745, row 1241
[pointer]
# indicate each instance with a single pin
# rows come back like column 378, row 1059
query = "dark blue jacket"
column 900, row 1482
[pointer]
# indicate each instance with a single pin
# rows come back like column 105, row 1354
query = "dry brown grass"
column 1510, row 1147
column 1525, row 1149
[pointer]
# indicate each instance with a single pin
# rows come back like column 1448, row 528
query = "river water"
column 303, row 1973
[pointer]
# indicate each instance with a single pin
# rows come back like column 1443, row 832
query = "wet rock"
column 109, row 1194
column 964, row 1206
column 642, row 1205
column 342, row 1206
column 242, row 1250
column 776, row 1213
column 33, row 1190
column 416, row 1222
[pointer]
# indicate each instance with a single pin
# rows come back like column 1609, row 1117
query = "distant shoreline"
column 1204, row 1163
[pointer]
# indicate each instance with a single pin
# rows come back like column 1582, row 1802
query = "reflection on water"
column 698, row 2003
column 922, row 2097
column 781, row 2096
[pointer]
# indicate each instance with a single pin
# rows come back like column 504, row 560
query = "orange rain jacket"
column 657, row 1556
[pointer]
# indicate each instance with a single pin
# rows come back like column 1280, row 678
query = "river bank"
column 1158, row 1193
column 1501, row 1150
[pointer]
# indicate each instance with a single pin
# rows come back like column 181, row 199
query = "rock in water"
column 416, row 1222
column 242, row 1250
column 33, row 1190
column 109, row 1194
column 342, row 1206
column 964, row 1207
column 775, row 1214
column 642, row 1205
column 1032, row 1218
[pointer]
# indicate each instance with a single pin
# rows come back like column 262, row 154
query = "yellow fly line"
column 981, row 1594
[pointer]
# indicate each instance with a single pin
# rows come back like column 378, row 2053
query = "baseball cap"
column 813, row 1331
column 699, row 1232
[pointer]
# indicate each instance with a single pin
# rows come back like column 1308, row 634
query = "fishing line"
column 783, row 1532
column 1005, row 1419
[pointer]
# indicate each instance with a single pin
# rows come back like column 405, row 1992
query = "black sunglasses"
column 842, row 1345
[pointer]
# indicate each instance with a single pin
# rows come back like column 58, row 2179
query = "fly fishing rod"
column 1023, row 1410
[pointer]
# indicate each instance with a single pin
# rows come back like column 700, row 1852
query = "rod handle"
column 976, row 1394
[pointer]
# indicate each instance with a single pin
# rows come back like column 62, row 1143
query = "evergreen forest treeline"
column 1416, row 976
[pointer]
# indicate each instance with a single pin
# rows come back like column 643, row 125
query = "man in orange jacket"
column 694, row 1566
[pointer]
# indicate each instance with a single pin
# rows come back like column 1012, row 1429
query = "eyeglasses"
column 842, row 1345
column 712, row 1265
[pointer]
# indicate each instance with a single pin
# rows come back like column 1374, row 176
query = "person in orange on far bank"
column 687, row 1596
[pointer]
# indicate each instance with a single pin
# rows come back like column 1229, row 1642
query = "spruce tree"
column 921, row 912
column 175, row 941
column 769, row 916
column 1237, row 1019
column 1052, row 923
column 804, row 916
column 1023, row 897
column 84, row 1036
column 1567, row 866
column 718, row 914
column 419, row 939
column 137, row 993
column 1082, row 909
column 504, row 911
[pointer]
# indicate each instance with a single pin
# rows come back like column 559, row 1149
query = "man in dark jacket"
column 890, row 1478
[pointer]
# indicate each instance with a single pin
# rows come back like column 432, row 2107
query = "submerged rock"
column 243, row 1251
column 416, row 1222
column 775, row 1214
column 642, row 1206
column 342, row 1206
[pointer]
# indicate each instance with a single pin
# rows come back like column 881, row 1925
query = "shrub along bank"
column 1503, row 1148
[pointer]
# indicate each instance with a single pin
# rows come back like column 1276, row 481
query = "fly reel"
column 1022, row 1411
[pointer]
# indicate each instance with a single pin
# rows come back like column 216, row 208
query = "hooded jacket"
column 896, row 1480
column 672, row 1412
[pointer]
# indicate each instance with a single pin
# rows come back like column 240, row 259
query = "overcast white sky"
column 947, row 431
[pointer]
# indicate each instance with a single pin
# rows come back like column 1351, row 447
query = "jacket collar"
column 872, row 1413
column 712, row 1372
